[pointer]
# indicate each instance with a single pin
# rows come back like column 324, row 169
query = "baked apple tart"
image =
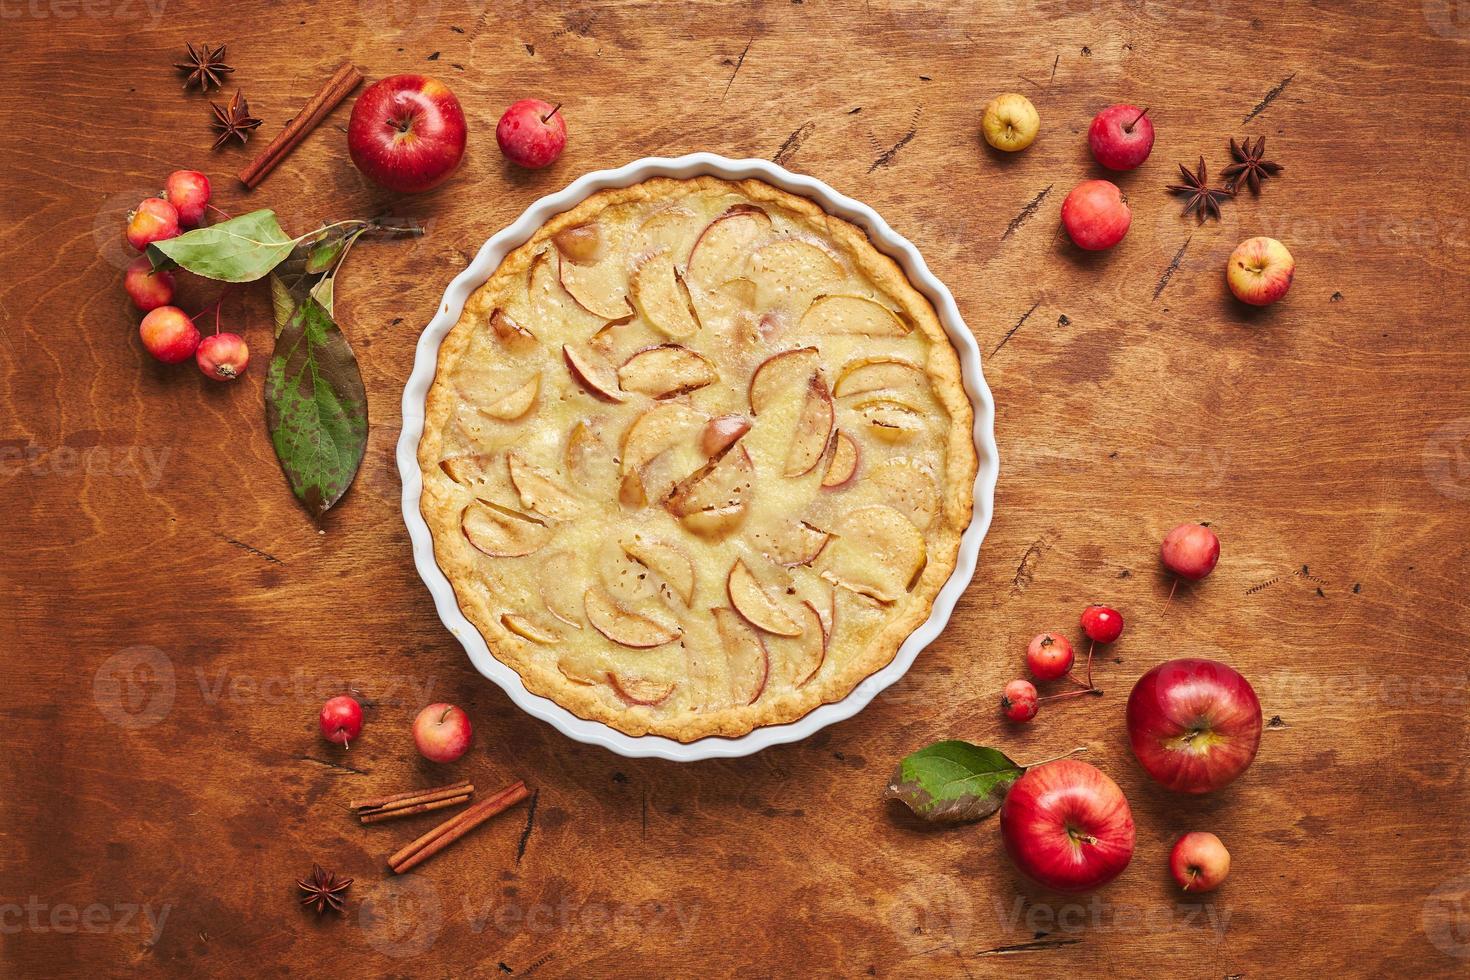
column 697, row 458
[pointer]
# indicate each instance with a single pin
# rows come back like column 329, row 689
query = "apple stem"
column 1071, row 694
column 1072, row 677
column 218, row 211
column 1129, row 128
column 1171, row 595
column 1055, row 758
column 554, row 110
column 1193, row 873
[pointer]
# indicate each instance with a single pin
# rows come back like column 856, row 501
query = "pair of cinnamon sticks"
column 422, row 801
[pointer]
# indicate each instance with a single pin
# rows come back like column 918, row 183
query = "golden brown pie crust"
column 696, row 683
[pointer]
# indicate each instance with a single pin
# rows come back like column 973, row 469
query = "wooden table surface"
column 173, row 619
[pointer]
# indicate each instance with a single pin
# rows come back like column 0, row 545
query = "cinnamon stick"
column 343, row 81
column 451, row 830
column 378, row 816
column 416, row 795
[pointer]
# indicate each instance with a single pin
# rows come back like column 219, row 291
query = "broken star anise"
column 233, row 120
column 1248, row 167
column 1204, row 200
column 323, row 889
column 206, row 67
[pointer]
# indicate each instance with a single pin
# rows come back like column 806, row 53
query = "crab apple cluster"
column 167, row 332
column 1050, row 657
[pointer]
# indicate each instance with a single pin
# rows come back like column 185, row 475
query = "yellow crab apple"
column 1010, row 122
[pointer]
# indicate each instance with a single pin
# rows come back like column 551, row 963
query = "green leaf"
column 241, row 249
column 315, row 403
column 953, row 781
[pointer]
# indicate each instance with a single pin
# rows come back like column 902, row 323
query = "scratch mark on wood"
column 1054, row 64
column 1173, row 267
column 1261, row 586
column 1026, row 213
column 1012, row 332
column 645, row 813
column 740, row 61
column 1026, row 570
column 530, row 822
column 793, row 143
column 265, row 555
column 886, row 158
column 1270, row 97
column 328, row 763
column 1031, row 947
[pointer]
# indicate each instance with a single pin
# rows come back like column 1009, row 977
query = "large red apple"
column 1194, row 724
column 407, row 132
column 1096, row 215
column 1067, row 826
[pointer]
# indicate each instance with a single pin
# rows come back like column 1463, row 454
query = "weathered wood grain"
column 172, row 619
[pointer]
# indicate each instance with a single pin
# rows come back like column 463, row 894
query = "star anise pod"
column 206, row 67
column 323, row 889
column 233, row 120
column 1248, row 167
column 1204, row 200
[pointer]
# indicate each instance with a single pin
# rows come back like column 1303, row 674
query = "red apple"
column 1121, row 136
column 1199, row 861
column 1067, row 826
column 442, row 732
column 146, row 288
column 1190, row 551
column 154, row 220
column 532, row 133
column 169, row 334
column 188, row 192
column 1096, row 215
column 1194, row 724
column 340, row 720
column 407, row 132
column 1259, row 271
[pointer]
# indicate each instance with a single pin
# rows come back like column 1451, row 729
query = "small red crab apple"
column 169, row 334
column 188, row 192
column 1199, row 861
column 1102, row 624
column 1189, row 551
column 1019, row 701
column 341, row 720
column 532, row 133
column 223, row 356
column 148, row 289
column 154, row 220
column 1049, row 656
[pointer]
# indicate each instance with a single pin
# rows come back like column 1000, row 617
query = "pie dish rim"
column 485, row 264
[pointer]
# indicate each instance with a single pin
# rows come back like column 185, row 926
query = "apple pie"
column 697, row 458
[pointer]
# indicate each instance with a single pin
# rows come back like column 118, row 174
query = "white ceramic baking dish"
column 479, row 270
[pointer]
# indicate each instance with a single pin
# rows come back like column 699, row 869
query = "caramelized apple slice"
column 877, row 553
column 662, row 298
column 468, row 469
column 501, row 532
column 794, row 265
column 600, row 289
column 529, row 629
column 758, row 606
column 509, row 332
column 879, row 374
column 540, row 492
column 513, row 405
column 852, row 315
column 908, row 486
column 715, row 522
column 723, row 483
column 589, row 463
column 724, row 247
column 807, row 653
column 813, row 429
column 747, row 661
column 891, row 420
column 582, row 666
column 674, row 228
column 581, row 245
column 660, row 449
column 844, row 462
column 721, row 433
column 623, row 627
column 790, row 543
column 666, row 371
column 665, row 561
column 781, row 375
column 592, row 375
column 551, row 310
column 640, row 690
